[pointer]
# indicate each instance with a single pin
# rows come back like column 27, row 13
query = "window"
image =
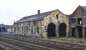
column 57, row 16
column 73, row 20
column 37, row 29
column 79, row 20
column 32, row 29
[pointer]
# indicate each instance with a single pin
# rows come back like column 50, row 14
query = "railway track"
column 46, row 43
column 25, row 44
column 7, row 46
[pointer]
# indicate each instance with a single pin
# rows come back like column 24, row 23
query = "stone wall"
column 52, row 18
column 39, row 28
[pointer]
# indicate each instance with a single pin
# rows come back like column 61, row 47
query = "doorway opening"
column 73, row 32
column 62, row 30
column 51, row 29
column 85, row 32
column 79, row 30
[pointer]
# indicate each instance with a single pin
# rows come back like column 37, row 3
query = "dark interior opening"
column 51, row 30
column 79, row 20
column 62, row 30
column 85, row 32
column 79, row 30
column 73, row 32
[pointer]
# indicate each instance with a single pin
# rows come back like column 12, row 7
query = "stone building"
column 78, row 22
column 45, row 25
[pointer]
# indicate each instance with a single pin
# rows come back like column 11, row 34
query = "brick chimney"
column 38, row 11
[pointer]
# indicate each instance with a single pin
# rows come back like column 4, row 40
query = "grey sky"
column 13, row 10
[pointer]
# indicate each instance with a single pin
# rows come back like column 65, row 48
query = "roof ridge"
column 35, row 16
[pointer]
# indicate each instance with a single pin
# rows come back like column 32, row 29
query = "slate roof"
column 35, row 17
column 83, row 7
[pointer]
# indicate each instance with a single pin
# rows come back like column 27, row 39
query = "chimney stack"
column 38, row 12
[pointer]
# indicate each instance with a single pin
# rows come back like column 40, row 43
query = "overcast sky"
column 13, row 10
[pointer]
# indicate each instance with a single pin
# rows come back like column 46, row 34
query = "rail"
column 43, row 42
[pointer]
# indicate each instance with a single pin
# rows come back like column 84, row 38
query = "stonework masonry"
column 53, row 24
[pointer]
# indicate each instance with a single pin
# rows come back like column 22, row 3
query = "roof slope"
column 36, row 17
column 83, row 7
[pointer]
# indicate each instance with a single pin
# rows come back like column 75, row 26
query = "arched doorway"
column 62, row 30
column 51, row 29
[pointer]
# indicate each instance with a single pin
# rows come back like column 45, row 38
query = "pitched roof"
column 35, row 17
column 83, row 7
